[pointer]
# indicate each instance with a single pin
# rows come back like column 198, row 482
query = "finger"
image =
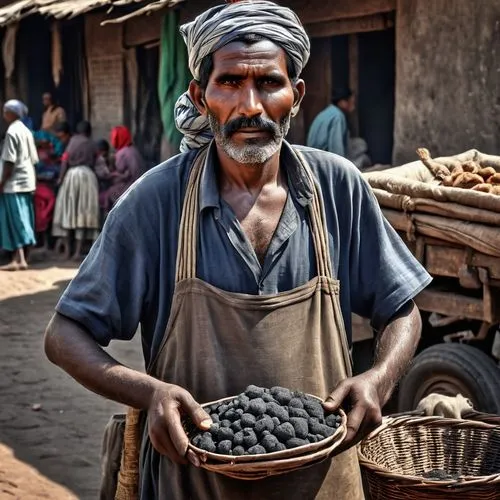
column 354, row 420
column 372, row 419
column 158, row 434
column 193, row 458
column 335, row 399
column 176, row 431
column 197, row 414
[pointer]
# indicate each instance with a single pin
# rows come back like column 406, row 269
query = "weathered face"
column 9, row 116
column 249, row 100
column 47, row 100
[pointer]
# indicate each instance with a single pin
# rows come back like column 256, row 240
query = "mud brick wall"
column 447, row 77
column 104, row 46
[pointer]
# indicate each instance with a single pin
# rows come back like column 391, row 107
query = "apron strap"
column 188, row 230
column 318, row 222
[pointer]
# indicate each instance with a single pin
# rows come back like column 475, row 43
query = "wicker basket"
column 395, row 457
column 252, row 467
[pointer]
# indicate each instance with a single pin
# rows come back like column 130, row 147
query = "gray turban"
column 219, row 26
column 17, row 107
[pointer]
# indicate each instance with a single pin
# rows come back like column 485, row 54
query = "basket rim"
column 419, row 481
column 337, row 437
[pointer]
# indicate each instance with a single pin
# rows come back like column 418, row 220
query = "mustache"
column 256, row 122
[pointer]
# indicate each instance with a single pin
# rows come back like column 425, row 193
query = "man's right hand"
column 167, row 406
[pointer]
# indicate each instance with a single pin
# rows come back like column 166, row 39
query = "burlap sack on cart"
column 482, row 238
column 405, row 203
column 416, row 181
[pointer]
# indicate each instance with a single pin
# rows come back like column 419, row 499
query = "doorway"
column 376, row 88
column 148, row 125
column 365, row 62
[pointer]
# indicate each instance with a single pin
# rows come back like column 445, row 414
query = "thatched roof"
column 66, row 9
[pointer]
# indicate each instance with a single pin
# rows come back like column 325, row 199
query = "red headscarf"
column 120, row 137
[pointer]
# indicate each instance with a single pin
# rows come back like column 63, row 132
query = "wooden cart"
column 455, row 234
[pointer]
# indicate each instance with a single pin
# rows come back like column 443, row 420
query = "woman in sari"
column 77, row 204
column 129, row 166
column 17, row 185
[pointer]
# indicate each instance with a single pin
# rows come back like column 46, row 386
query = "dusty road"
column 62, row 439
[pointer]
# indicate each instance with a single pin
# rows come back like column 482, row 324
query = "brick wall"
column 104, row 47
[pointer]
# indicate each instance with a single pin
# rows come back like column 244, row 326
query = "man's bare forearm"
column 396, row 347
column 70, row 346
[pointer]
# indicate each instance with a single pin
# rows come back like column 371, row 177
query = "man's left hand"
column 362, row 397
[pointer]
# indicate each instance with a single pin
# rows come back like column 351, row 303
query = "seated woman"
column 129, row 166
column 50, row 150
column 77, row 204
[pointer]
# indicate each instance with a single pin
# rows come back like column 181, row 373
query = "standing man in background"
column 53, row 114
column 330, row 131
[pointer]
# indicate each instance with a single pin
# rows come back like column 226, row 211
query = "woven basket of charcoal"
column 266, row 432
column 432, row 457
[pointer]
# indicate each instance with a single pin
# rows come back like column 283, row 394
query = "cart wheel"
column 450, row 369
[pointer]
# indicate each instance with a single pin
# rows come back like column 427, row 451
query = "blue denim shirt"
column 129, row 275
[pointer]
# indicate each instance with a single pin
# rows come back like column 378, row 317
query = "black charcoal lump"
column 238, row 438
column 206, row 443
column 300, row 426
column 264, row 424
column 252, row 391
column 298, row 412
column 270, row 443
column 333, row 420
column 281, row 395
column 257, row 450
column 257, row 407
column 249, row 438
column 236, row 426
column 265, row 421
column 248, row 420
column 284, row 432
column 225, row 447
column 225, row 433
column 280, row 412
column 296, row 442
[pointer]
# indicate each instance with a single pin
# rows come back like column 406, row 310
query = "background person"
column 329, row 131
column 77, row 205
column 128, row 166
column 17, row 185
column 53, row 114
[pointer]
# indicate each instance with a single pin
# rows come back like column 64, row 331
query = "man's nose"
column 250, row 104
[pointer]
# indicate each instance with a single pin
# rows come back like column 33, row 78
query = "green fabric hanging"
column 174, row 74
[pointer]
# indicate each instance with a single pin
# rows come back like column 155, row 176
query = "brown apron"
column 217, row 343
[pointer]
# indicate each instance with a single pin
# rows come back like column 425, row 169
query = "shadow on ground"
column 63, row 438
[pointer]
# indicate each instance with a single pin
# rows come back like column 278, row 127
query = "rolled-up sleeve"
column 384, row 275
column 107, row 295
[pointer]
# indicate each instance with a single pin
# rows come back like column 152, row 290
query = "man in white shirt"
column 17, row 185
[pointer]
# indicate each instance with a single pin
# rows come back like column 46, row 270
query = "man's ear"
column 197, row 95
column 299, row 90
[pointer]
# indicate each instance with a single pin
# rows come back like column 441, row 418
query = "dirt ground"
column 50, row 427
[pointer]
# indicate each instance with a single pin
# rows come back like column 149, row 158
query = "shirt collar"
column 298, row 182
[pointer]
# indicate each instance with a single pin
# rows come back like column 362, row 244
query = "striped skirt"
column 77, row 205
column 17, row 221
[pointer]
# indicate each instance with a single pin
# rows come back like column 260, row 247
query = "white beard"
column 249, row 154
